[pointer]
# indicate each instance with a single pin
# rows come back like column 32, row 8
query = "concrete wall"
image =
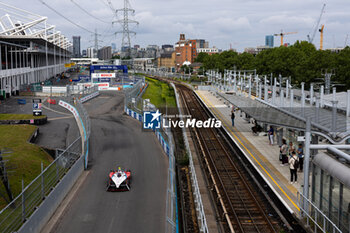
column 48, row 207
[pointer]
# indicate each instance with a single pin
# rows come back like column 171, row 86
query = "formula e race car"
column 119, row 180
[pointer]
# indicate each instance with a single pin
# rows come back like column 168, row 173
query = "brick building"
column 166, row 61
column 185, row 50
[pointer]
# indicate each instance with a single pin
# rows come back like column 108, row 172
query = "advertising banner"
column 103, row 86
column 103, row 75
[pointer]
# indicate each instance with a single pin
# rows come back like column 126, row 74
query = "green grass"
column 25, row 160
column 160, row 94
column 19, row 117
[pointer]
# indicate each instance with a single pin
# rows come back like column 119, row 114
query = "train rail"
column 240, row 205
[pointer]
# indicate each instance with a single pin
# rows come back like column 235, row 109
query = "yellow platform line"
column 233, row 134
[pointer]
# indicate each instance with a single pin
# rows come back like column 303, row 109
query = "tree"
column 201, row 57
column 301, row 61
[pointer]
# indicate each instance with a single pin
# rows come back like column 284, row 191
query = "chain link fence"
column 16, row 213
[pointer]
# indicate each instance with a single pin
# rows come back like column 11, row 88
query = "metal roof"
column 294, row 118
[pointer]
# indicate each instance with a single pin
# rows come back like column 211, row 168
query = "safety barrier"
column 196, row 192
column 33, row 207
column 32, row 197
column 165, row 138
column 319, row 221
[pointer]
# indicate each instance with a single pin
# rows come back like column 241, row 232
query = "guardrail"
column 21, row 208
column 319, row 221
column 165, row 138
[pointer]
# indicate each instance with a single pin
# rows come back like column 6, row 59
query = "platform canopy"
column 293, row 118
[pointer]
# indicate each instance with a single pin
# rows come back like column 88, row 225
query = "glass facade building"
column 269, row 40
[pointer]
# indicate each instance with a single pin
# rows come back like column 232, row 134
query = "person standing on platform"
column 300, row 152
column 293, row 167
column 233, row 116
column 283, row 151
column 291, row 149
column 270, row 133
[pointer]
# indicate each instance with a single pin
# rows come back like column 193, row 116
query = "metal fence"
column 134, row 102
column 79, row 91
column 75, row 101
column 314, row 217
column 16, row 213
column 196, row 192
column 21, row 208
column 165, row 74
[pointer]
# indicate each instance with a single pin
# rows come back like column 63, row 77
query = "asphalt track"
column 117, row 140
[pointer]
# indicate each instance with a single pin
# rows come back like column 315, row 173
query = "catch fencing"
column 134, row 108
column 21, row 208
column 32, row 196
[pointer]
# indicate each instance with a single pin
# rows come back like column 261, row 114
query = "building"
column 105, row 53
column 209, row 51
column 167, row 47
column 136, row 46
column 144, row 64
column 114, row 47
column 84, row 53
column 269, row 40
column 200, row 43
column 166, row 62
column 76, row 46
column 90, row 52
column 256, row 50
column 186, row 51
column 26, row 57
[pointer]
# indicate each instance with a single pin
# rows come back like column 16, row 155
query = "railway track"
column 239, row 204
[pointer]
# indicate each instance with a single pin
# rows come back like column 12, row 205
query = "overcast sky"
column 242, row 23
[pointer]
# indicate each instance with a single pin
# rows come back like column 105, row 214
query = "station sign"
column 37, row 107
column 103, row 75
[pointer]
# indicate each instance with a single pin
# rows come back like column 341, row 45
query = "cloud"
column 244, row 23
column 228, row 24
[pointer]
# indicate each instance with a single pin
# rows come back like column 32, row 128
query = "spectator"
column 293, row 161
column 233, row 116
column 291, row 149
column 283, row 151
column 300, row 152
column 270, row 133
column 256, row 129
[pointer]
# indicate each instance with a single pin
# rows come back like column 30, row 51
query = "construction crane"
column 282, row 34
column 321, row 36
column 311, row 39
column 346, row 40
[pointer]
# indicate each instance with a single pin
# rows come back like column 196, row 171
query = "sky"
column 224, row 23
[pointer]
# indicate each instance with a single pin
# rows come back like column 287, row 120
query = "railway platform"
column 265, row 158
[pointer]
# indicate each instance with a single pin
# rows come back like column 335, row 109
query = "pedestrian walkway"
column 257, row 149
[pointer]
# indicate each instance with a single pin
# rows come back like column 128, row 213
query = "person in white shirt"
column 293, row 166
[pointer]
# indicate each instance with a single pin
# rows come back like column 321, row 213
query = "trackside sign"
column 153, row 120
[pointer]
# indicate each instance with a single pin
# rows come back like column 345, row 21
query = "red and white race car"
column 119, row 180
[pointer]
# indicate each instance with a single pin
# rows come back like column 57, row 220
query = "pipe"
column 336, row 149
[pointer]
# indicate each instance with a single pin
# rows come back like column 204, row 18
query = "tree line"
column 301, row 61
